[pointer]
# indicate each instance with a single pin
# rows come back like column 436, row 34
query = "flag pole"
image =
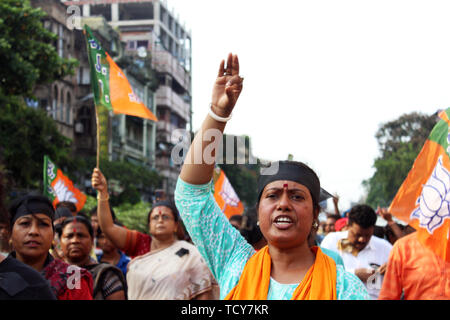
column 98, row 136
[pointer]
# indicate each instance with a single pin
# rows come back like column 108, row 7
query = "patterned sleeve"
column 137, row 243
column 221, row 245
column 112, row 283
column 349, row 286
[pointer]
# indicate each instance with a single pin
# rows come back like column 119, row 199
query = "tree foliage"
column 137, row 181
column 244, row 179
column 27, row 54
column 133, row 216
column 127, row 182
column 27, row 135
column 27, row 58
column 400, row 141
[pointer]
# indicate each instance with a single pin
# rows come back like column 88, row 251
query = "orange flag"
column 60, row 188
column 111, row 88
column 423, row 200
column 225, row 196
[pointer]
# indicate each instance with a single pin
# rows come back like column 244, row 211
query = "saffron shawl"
column 319, row 282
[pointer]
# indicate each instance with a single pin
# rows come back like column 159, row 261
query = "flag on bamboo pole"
column 225, row 196
column 111, row 88
column 423, row 199
column 60, row 188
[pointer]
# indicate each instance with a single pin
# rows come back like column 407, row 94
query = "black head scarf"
column 31, row 204
column 297, row 172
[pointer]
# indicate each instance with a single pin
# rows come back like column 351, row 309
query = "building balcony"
column 136, row 146
column 167, row 97
column 164, row 62
column 165, row 126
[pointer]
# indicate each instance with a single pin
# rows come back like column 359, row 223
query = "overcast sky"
column 321, row 76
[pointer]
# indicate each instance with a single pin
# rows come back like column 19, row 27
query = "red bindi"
column 285, row 185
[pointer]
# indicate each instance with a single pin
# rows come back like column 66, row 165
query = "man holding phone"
column 363, row 254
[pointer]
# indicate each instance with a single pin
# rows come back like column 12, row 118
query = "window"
column 86, row 76
column 174, row 120
column 54, row 102
column 135, row 11
column 131, row 45
column 68, row 108
column 48, row 25
column 101, row 10
column 43, row 103
column 142, row 43
column 84, row 117
column 61, row 110
column 60, row 41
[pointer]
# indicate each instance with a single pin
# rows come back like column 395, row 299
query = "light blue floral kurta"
column 226, row 252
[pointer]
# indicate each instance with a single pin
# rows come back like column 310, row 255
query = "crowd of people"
column 278, row 250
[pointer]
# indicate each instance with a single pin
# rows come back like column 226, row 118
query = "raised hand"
column 99, row 182
column 227, row 88
column 385, row 214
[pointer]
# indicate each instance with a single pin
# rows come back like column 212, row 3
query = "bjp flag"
column 423, row 200
column 60, row 188
column 111, row 88
column 225, row 196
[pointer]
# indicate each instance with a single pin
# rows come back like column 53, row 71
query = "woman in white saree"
column 170, row 269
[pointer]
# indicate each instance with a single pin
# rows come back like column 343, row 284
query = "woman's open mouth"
column 283, row 222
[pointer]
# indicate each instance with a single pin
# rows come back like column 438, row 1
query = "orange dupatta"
column 319, row 282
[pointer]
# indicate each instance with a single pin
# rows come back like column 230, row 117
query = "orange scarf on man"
column 319, row 282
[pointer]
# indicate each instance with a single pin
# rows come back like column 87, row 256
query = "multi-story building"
column 69, row 101
column 149, row 29
column 59, row 97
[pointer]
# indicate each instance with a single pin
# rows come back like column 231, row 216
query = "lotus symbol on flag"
column 229, row 195
column 434, row 201
column 63, row 193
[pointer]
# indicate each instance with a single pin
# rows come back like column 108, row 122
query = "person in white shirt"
column 363, row 253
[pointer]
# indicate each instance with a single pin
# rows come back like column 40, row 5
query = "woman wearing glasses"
column 163, row 267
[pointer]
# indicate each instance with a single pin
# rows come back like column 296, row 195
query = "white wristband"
column 216, row 117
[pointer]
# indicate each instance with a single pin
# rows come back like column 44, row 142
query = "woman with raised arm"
column 163, row 267
column 288, row 208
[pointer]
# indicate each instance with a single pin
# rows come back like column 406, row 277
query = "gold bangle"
column 102, row 199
